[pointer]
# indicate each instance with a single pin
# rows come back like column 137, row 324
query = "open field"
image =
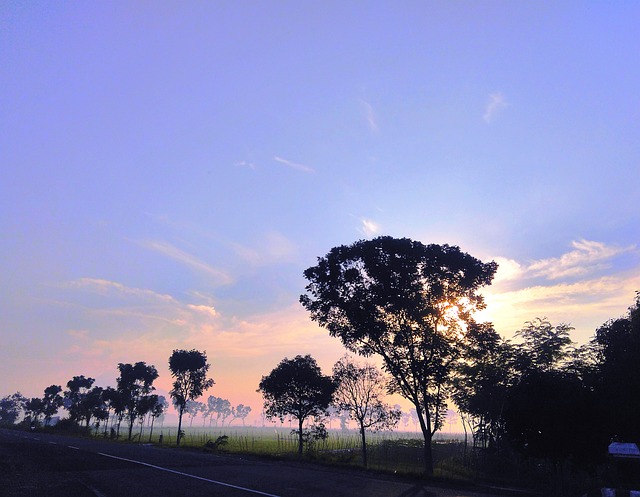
column 395, row 452
column 40, row 464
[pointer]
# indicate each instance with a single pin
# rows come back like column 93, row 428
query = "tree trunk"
column 130, row 426
column 179, row 425
column 300, row 443
column 426, row 433
column 364, row 445
column 464, row 427
column 151, row 432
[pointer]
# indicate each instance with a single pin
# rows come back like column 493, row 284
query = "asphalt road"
column 39, row 465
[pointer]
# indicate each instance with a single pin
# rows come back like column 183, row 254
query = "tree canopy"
column 134, row 384
column 406, row 302
column 297, row 388
column 617, row 347
column 77, row 389
column 189, row 369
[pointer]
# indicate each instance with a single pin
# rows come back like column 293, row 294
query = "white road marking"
column 96, row 492
column 72, row 447
column 53, row 443
column 189, row 476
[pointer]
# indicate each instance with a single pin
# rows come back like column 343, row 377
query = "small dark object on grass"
column 217, row 445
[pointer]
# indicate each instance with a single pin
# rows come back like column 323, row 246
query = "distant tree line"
column 216, row 411
column 132, row 399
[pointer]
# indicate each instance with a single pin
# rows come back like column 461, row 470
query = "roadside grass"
column 391, row 452
column 398, row 453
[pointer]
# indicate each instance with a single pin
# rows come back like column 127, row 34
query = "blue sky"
column 171, row 168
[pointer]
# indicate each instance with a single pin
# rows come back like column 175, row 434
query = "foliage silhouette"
column 405, row 302
column 297, row 388
column 360, row 389
column 134, row 383
column 189, row 369
column 77, row 389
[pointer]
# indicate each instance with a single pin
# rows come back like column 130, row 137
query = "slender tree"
column 189, row 369
column 115, row 402
column 158, row 410
column 406, row 302
column 360, row 389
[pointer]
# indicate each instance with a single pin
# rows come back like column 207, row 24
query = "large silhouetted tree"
column 189, row 369
column 360, row 389
column 406, row 302
column 617, row 347
column 296, row 388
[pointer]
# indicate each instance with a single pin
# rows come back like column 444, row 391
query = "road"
column 39, row 465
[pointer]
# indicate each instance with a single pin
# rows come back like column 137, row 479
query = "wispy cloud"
column 294, row 165
column 219, row 276
column 106, row 287
column 497, row 102
column 571, row 288
column 118, row 300
column 370, row 116
column 244, row 163
column 268, row 248
column 204, row 309
column 368, row 227
column 586, row 257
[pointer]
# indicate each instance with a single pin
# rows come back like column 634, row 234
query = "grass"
column 393, row 452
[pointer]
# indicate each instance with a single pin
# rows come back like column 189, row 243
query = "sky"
column 170, row 169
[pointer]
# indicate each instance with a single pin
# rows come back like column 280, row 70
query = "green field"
column 399, row 452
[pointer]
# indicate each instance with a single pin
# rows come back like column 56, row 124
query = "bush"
column 216, row 446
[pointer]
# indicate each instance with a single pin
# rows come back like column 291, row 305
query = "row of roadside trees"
column 132, row 399
column 412, row 306
column 91, row 405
